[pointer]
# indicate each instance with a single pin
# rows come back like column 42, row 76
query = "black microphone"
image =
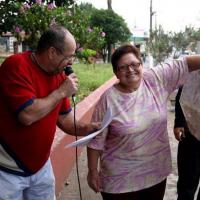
column 68, row 70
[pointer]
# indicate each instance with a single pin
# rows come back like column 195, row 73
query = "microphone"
column 68, row 70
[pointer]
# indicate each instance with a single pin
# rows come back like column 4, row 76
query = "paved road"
column 71, row 192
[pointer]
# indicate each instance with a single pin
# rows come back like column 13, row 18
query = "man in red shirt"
column 34, row 95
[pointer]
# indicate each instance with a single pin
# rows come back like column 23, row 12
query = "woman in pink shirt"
column 131, row 159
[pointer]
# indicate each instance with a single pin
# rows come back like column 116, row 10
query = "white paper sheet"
column 83, row 141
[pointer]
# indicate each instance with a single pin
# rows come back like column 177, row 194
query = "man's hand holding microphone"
column 69, row 87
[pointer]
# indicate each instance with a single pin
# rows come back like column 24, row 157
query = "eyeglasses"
column 68, row 58
column 124, row 68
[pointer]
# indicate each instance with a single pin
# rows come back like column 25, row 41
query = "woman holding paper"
column 134, row 150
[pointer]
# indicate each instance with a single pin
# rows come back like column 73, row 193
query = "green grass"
column 90, row 78
column 1, row 60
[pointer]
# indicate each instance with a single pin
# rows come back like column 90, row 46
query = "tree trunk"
column 16, row 47
column 103, row 54
column 109, row 52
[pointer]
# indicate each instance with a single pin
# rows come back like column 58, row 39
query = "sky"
column 173, row 15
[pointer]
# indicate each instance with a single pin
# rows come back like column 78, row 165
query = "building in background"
column 9, row 44
column 139, row 39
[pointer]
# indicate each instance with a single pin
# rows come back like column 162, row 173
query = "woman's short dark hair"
column 122, row 50
column 54, row 37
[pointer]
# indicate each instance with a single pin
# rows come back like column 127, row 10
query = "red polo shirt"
column 21, row 81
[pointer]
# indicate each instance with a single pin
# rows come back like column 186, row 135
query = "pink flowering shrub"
column 34, row 19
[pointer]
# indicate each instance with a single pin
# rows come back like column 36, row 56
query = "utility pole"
column 109, row 2
column 155, row 22
column 151, row 16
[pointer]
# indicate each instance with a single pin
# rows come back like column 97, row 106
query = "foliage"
column 196, row 35
column 94, row 38
column 8, row 13
column 113, row 25
column 1, row 60
column 29, row 25
column 9, row 10
column 161, row 45
column 86, row 55
column 61, row 3
column 86, row 35
column 88, row 8
column 165, row 43
column 183, row 39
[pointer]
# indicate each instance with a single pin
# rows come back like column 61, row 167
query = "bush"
column 86, row 55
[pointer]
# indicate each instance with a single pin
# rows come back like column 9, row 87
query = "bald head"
column 69, row 42
column 58, row 37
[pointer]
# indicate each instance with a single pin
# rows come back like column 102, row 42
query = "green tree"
column 114, row 27
column 183, row 39
column 87, row 36
column 9, row 10
column 61, row 3
column 29, row 26
column 196, row 35
column 161, row 45
column 87, row 8
column 8, row 13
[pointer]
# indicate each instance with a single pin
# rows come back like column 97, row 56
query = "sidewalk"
column 71, row 192
column 5, row 55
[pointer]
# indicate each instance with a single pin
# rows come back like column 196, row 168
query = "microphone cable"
column 68, row 70
column 75, row 131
